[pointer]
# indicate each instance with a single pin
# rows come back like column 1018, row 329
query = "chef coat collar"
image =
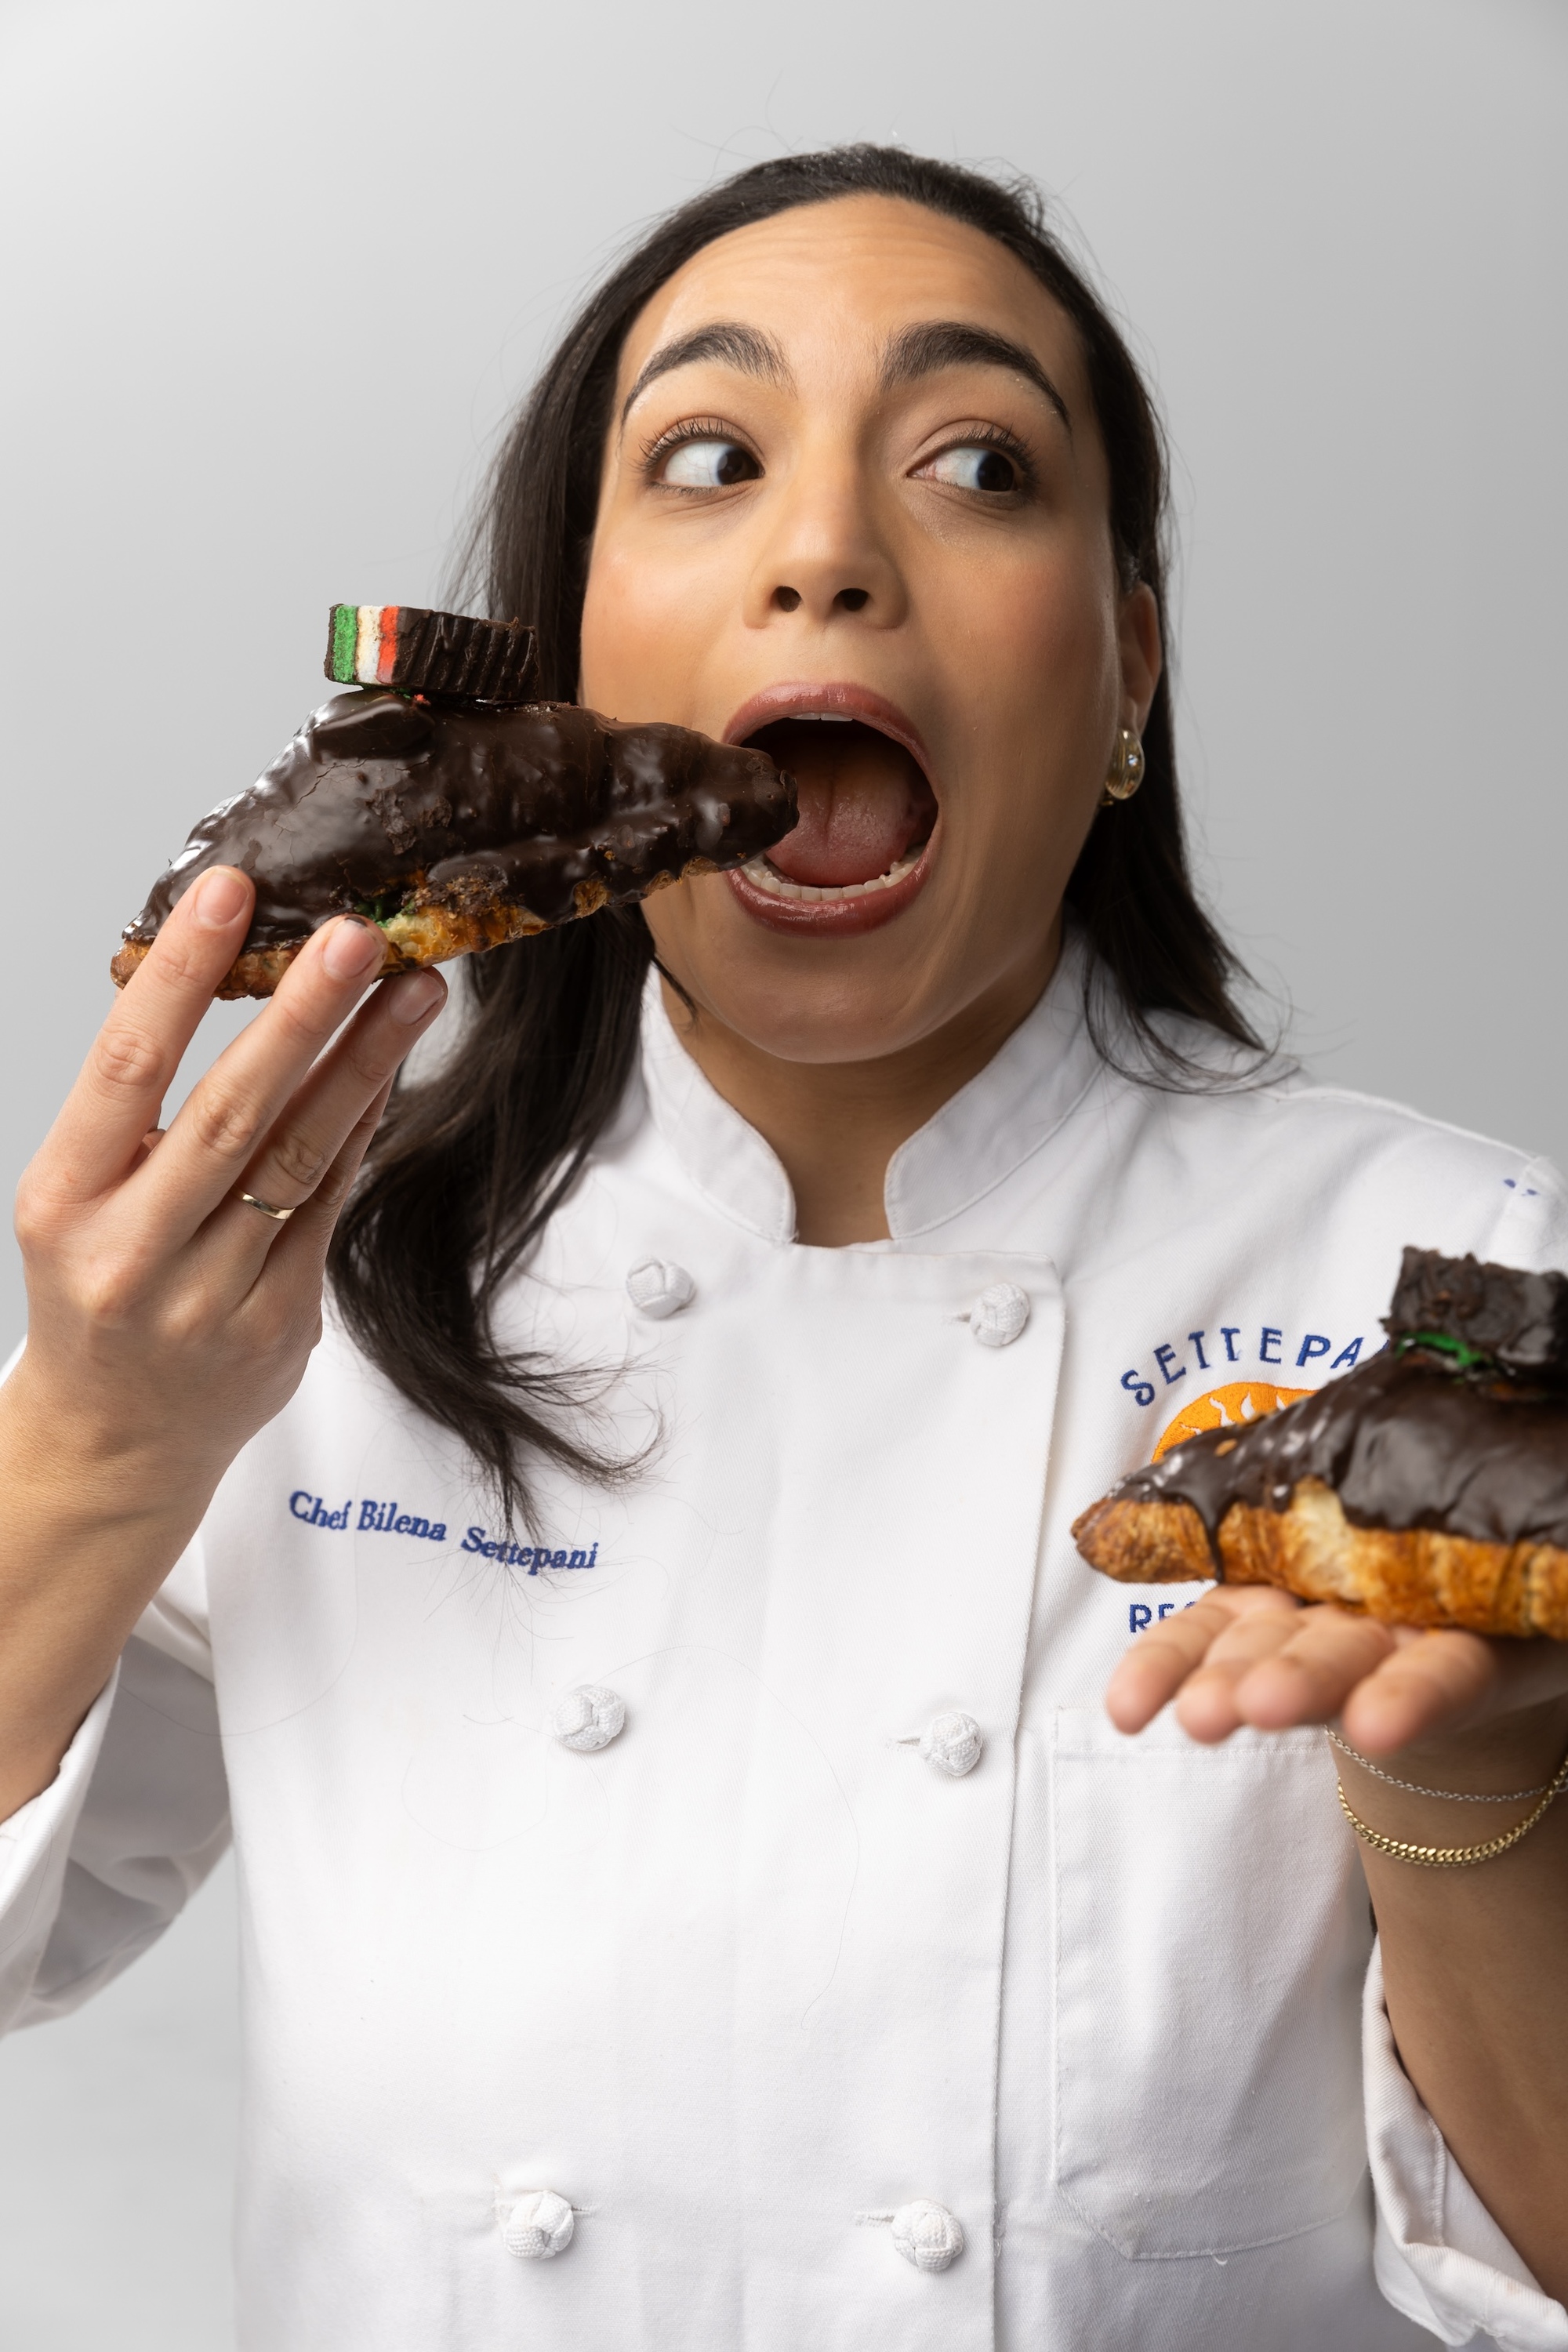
column 988, row 1128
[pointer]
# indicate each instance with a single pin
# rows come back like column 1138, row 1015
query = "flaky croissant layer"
column 1411, row 1576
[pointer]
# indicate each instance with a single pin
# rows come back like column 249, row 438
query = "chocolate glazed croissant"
column 1427, row 1488
column 457, row 825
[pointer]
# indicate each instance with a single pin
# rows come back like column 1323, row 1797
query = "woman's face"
column 855, row 509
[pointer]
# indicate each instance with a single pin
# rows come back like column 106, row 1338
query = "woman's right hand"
column 169, row 1320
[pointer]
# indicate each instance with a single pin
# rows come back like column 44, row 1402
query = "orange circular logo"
column 1231, row 1407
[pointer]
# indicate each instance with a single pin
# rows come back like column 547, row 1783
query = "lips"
column 860, row 853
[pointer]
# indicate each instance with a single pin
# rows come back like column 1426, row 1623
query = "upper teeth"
column 831, row 718
column 759, row 871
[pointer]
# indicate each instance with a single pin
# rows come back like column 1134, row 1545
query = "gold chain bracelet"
column 1450, row 1857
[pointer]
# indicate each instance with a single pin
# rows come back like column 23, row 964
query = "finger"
column 1161, row 1658
column 299, row 1253
column 356, row 1071
column 1307, row 1680
column 287, row 1284
column 119, row 1091
column 230, row 1110
column 309, row 1232
column 1436, row 1681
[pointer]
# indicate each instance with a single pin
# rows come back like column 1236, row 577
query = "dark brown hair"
column 469, row 1168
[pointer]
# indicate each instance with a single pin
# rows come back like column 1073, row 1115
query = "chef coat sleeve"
column 1440, row 2258
column 94, row 1867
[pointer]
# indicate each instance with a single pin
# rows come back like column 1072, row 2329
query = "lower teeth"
column 759, row 871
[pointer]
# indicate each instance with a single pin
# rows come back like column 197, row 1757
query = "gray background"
column 272, row 276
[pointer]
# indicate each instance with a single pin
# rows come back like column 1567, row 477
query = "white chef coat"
column 758, row 1974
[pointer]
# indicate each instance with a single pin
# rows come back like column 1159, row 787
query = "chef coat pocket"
column 1212, row 1938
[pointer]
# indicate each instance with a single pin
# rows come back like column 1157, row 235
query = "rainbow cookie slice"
column 419, row 652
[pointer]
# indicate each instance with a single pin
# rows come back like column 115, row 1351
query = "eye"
column 707, row 461
column 976, row 466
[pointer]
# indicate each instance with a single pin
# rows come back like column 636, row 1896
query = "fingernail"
column 218, row 899
column 413, row 999
column 353, row 947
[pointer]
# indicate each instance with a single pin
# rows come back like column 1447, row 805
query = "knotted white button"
column 587, row 1718
column 998, row 1315
column 952, row 1743
column 928, row 2235
column 541, row 2224
column 657, row 1288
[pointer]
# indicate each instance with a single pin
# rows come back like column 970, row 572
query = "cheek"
column 1041, row 683
column 1047, row 644
column 624, row 636
column 647, row 635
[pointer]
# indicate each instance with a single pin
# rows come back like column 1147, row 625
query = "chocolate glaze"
column 380, row 798
column 1519, row 1320
column 1404, row 1441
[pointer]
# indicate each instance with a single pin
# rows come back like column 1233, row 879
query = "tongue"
column 863, row 802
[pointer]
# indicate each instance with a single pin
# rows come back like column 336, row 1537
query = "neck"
column 835, row 1125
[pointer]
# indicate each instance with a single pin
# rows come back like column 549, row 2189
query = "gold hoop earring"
column 1126, row 770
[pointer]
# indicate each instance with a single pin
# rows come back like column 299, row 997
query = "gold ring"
column 278, row 1217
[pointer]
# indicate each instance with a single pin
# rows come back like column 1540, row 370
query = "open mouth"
column 858, row 854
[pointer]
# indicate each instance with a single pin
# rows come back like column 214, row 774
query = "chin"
column 811, row 996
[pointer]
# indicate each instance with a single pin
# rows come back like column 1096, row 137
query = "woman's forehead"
column 848, row 275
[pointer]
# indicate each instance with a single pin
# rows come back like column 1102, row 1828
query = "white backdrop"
column 273, row 276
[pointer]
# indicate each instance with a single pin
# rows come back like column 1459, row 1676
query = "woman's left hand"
column 1247, row 1655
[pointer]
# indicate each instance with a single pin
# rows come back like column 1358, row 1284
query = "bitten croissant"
column 1427, row 1488
column 432, row 800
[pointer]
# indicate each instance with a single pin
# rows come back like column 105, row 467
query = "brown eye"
column 976, row 466
column 711, row 462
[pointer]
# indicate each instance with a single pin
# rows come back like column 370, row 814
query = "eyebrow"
column 738, row 346
column 949, row 342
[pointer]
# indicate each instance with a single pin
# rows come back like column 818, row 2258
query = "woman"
column 692, row 1890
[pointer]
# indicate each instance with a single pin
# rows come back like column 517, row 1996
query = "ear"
column 1142, row 654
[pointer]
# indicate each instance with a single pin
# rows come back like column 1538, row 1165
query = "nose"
column 827, row 554
column 848, row 600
